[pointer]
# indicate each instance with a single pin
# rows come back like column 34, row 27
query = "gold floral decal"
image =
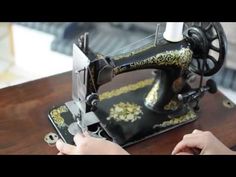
column 190, row 115
column 125, row 112
column 172, row 105
column 56, row 115
column 125, row 89
column 180, row 58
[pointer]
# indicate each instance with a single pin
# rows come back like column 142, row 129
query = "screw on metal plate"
column 51, row 138
column 228, row 104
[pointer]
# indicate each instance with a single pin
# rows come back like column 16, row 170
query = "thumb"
column 65, row 148
column 86, row 134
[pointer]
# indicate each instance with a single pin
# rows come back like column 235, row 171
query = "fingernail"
column 59, row 144
column 86, row 133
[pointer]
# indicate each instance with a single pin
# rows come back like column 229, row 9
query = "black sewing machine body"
column 140, row 110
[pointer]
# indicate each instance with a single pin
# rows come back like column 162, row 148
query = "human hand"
column 88, row 145
column 201, row 142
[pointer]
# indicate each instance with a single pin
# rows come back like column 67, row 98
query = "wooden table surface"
column 24, row 121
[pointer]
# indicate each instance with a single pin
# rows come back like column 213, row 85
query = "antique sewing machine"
column 137, row 111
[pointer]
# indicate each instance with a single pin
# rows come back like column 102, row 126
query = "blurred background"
column 33, row 50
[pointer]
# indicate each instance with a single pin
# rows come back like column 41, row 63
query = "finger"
column 184, row 153
column 187, row 136
column 86, row 134
column 179, row 148
column 190, row 142
column 193, row 151
column 65, row 148
column 78, row 138
column 187, row 150
column 197, row 131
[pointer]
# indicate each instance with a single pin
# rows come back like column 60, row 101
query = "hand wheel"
column 209, row 45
